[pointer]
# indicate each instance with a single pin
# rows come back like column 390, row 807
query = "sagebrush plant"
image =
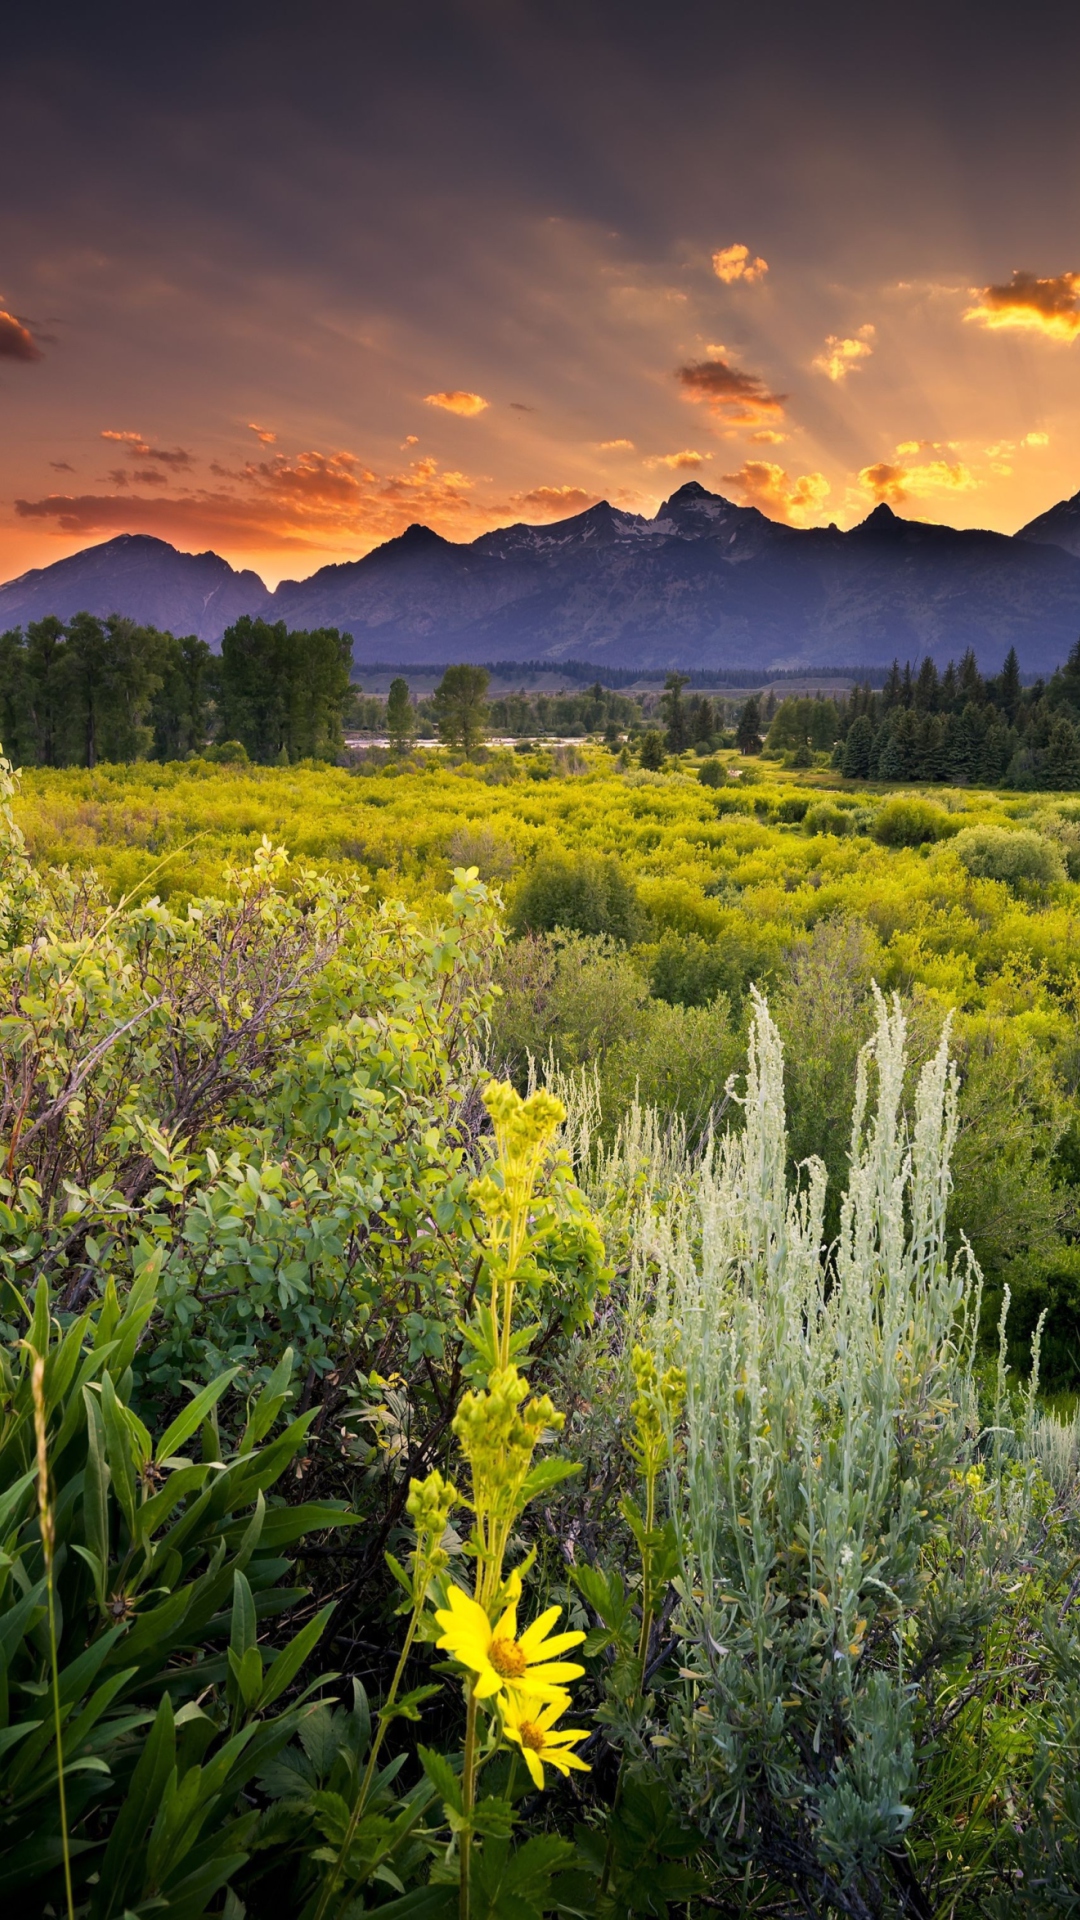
column 829, row 1406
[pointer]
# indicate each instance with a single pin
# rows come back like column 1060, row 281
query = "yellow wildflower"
column 530, row 1724
column 504, row 1661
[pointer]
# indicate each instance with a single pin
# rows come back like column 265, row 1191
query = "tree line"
column 90, row 690
column 957, row 726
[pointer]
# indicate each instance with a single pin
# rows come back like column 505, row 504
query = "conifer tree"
column 748, row 731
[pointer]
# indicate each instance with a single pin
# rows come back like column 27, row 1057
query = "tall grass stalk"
column 48, row 1544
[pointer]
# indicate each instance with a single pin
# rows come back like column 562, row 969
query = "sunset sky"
column 280, row 280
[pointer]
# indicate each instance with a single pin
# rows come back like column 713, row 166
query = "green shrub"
column 998, row 853
column 826, row 817
column 678, row 1061
column 572, row 995
column 688, row 971
column 907, row 821
column 711, row 773
column 793, row 807
column 652, row 752
column 228, row 753
column 582, row 893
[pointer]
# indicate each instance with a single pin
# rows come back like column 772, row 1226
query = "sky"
column 280, row 280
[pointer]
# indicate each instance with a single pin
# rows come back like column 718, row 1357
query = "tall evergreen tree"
column 1009, row 689
column 927, row 690
column 675, row 712
column 857, row 748
column 748, row 731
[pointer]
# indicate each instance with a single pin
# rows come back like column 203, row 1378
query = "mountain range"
column 702, row 584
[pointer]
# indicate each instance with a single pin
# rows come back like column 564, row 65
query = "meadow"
column 542, row 1314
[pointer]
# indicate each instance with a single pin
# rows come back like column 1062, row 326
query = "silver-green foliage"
column 829, row 1402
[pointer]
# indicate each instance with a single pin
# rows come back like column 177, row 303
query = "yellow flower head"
column 529, row 1723
column 503, row 1661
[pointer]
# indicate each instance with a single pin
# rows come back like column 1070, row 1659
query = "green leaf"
column 409, row 1704
column 289, row 1661
column 516, row 1884
column 443, row 1778
column 545, row 1475
column 190, row 1419
column 269, row 1403
column 118, row 1453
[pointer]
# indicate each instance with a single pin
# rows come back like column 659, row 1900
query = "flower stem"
column 48, row 1542
column 369, row 1770
column 468, row 1796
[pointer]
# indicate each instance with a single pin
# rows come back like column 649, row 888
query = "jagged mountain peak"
column 1058, row 527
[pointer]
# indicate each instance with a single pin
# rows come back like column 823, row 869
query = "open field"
column 247, row 1097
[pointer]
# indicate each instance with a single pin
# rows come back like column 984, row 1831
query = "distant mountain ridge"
column 704, row 584
column 137, row 575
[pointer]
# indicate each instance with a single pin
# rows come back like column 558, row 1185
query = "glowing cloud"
column 137, row 446
column 839, row 357
column 615, row 446
column 739, row 399
column 262, row 433
column 1049, row 306
column 687, row 459
column 734, row 263
column 761, row 483
column 467, row 404
column 311, row 501
column 16, row 341
column 888, row 480
column 555, row 503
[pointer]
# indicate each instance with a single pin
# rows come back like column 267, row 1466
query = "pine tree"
column 1009, row 690
column 675, row 713
column 893, row 690
column 858, row 748
column 748, row 731
column 971, row 682
column 927, row 690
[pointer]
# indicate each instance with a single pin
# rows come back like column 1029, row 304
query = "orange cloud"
column 734, row 263
column 768, row 437
column 1049, row 306
column 16, row 341
column 615, row 446
column 556, row 503
column 467, row 404
column 761, row 483
column 262, row 433
column 890, row 481
column 313, row 501
column 740, row 399
column 689, row 457
column 169, row 456
column 839, row 357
